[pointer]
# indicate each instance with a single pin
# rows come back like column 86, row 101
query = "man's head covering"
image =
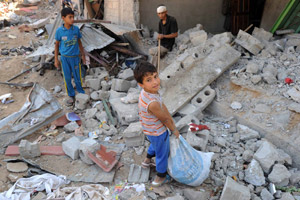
column 161, row 9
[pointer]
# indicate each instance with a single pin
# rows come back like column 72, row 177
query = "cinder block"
column 127, row 74
column 85, row 146
column 198, row 139
column 28, row 149
column 81, row 101
column 126, row 113
column 120, row 85
column 183, row 124
column 204, row 98
column 94, row 83
column 249, row 42
column 134, row 135
column 100, row 95
column 138, row 174
column 71, row 147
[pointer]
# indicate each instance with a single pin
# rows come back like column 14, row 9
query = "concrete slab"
column 138, row 174
column 193, row 80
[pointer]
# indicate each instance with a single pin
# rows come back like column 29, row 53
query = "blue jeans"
column 160, row 149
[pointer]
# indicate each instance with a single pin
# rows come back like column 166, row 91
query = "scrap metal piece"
column 39, row 110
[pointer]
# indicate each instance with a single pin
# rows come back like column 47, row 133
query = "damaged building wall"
column 188, row 14
column 122, row 12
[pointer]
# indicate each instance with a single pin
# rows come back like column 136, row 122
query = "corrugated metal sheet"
column 118, row 29
column 92, row 38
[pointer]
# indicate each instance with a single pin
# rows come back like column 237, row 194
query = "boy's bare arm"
column 81, row 51
column 56, row 62
column 164, row 116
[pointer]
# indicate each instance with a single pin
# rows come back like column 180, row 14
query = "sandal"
column 167, row 180
column 150, row 164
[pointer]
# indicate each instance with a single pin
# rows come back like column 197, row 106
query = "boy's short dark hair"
column 142, row 69
column 66, row 11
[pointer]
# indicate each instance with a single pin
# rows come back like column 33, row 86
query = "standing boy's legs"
column 67, row 71
column 76, row 69
column 161, row 147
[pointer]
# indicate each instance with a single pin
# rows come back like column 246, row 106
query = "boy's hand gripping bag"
column 187, row 165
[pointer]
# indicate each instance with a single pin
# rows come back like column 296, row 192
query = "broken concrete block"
column 132, row 97
column 198, row 37
column 256, row 79
column 127, row 74
column 91, row 124
column 28, row 149
column 198, row 140
column 233, row 190
column 90, row 113
column 105, row 86
column 266, row 195
column 134, row 135
column 71, row 147
column 204, row 98
column 81, row 101
column 100, row 95
column 126, row 113
column 220, row 141
column 246, row 133
column 120, row 85
column 287, row 196
column 138, row 174
column 191, row 194
column 183, row 124
column 218, row 40
column 233, row 126
column 284, row 158
column 280, row 175
column 294, row 93
column 254, row 174
column 94, row 83
column 112, row 131
column 261, row 34
column 269, row 78
column 116, row 95
column 197, row 77
column 85, row 146
column 252, row 68
column 247, row 155
column 249, row 42
column 266, row 155
column 71, row 127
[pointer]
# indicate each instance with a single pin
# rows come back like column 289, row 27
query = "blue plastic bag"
column 187, row 165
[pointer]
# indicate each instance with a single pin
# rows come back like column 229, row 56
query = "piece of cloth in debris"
column 71, row 65
column 168, row 28
column 22, row 189
column 92, row 192
column 160, row 148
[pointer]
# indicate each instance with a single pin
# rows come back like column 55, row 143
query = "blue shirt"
column 68, row 39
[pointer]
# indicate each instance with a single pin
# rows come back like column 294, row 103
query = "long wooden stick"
column 158, row 56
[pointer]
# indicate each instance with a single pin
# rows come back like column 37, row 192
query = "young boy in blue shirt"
column 68, row 43
column 155, row 120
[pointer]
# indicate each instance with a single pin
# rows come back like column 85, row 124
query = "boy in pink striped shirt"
column 155, row 119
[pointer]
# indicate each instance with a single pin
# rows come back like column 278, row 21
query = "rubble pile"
column 104, row 133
